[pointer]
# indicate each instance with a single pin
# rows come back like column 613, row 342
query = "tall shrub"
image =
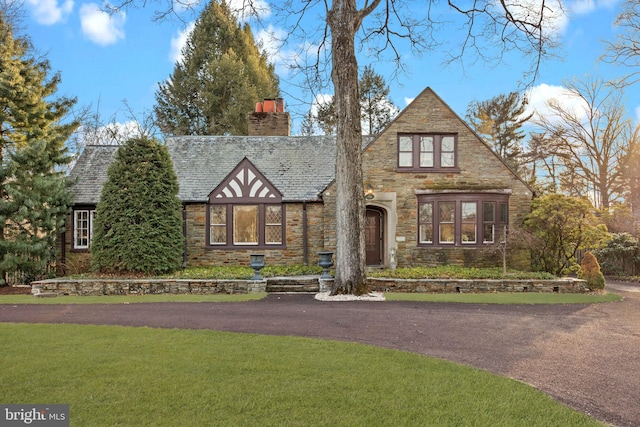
column 561, row 226
column 590, row 271
column 138, row 226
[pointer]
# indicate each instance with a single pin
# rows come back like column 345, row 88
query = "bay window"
column 462, row 219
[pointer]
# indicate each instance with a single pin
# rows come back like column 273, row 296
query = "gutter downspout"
column 305, row 249
column 184, row 236
column 63, row 252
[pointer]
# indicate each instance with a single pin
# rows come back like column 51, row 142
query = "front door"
column 374, row 229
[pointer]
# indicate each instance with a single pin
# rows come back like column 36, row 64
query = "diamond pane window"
column 273, row 224
column 218, row 224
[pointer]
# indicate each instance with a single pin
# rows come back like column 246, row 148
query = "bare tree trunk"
column 344, row 20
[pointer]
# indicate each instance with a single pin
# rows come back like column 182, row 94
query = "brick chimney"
column 269, row 119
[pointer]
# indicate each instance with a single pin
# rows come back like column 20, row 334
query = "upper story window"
column 428, row 152
column 83, row 228
column 245, row 210
column 462, row 219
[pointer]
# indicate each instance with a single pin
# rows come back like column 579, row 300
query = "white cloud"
column 408, row 101
column 580, row 7
column 178, row 42
column 49, row 12
column 101, row 27
column 245, row 10
column 540, row 95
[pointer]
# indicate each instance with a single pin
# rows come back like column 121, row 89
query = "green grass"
column 121, row 376
column 130, row 299
column 506, row 298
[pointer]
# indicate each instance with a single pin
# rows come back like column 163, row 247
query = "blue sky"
column 105, row 60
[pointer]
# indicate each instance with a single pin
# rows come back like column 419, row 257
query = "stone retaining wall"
column 87, row 287
column 566, row 285
column 141, row 286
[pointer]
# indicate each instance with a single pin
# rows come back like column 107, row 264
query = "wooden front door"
column 374, row 230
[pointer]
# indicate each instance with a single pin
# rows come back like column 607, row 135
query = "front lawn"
column 123, row 376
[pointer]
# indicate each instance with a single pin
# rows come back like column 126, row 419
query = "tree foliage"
column 138, row 225
column 378, row 110
column 559, row 227
column 33, row 191
column 590, row 143
column 620, row 256
column 499, row 122
column 590, row 271
column 221, row 76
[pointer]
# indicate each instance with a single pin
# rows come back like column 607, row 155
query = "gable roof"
column 430, row 92
column 299, row 167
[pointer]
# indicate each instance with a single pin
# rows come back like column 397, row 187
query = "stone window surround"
column 499, row 197
column 436, row 153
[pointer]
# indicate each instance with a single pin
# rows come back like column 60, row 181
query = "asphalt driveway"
column 586, row 356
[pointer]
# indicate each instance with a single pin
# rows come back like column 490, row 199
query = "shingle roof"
column 90, row 172
column 300, row 167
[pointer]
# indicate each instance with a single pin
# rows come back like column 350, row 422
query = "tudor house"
column 435, row 193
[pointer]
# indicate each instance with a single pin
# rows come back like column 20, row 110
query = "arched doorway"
column 374, row 235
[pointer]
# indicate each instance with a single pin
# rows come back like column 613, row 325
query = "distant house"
column 435, row 193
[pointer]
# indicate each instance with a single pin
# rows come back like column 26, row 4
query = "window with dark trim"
column 238, row 225
column 428, row 152
column 462, row 219
column 83, row 228
column 245, row 210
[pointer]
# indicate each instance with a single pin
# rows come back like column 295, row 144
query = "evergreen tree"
column 138, row 225
column 222, row 75
column 32, row 189
column 377, row 109
column 499, row 121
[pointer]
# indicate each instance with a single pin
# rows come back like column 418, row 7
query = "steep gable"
column 245, row 183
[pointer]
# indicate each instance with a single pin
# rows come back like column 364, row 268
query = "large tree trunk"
column 344, row 20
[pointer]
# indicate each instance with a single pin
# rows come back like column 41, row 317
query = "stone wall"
column 568, row 285
column 95, row 287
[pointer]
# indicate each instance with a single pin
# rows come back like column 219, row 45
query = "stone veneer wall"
column 95, row 287
column 198, row 255
column 480, row 171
